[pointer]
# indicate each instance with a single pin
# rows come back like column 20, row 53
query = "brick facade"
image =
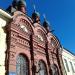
column 27, row 42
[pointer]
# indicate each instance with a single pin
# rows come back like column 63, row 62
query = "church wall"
column 31, row 40
column 3, row 46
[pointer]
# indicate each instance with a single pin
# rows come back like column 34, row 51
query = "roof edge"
column 5, row 14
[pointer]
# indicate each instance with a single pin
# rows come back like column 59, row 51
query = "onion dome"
column 36, row 17
column 22, row 6
column 12, row 8
column 14, row 4
column 46, row 24
column 35, row 14
column 21, row 3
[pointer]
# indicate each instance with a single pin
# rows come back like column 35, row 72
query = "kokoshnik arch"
column 31, row 48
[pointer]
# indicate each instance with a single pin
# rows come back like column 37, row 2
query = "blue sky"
column 60, row 14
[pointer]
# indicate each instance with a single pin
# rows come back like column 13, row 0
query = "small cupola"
column 35, row 16
column 14, row 4
column 46, row 24
column 12, row 8
column 22, row 6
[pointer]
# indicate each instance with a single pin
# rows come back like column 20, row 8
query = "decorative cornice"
column 5, row 14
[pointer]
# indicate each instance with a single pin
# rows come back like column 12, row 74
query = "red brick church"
column 32, row 49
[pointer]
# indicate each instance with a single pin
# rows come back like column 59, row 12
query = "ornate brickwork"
column 29, row 38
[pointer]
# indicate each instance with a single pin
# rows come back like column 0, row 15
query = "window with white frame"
column 66, row 64
column 72, row 67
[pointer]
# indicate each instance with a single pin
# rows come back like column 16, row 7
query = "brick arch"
column 52, row 36
column 27, row 62
column 42, row 61
column 23, row 52
column 22, row 19
column 18, row 13
column 58, row 45
column 57, row 52
column 25, row 55
column 55, row 69
column 53, row 39
column 56, row 40
column 39, row 30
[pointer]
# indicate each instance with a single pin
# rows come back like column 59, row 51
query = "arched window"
column 22, row 65
column 42, row 68
column 54, row 70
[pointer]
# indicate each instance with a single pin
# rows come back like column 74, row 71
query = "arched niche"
column 22, row 23
column 40, row 32
column 22, row 65
column 42, row 68
column 53, row 41
column 55, row 70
